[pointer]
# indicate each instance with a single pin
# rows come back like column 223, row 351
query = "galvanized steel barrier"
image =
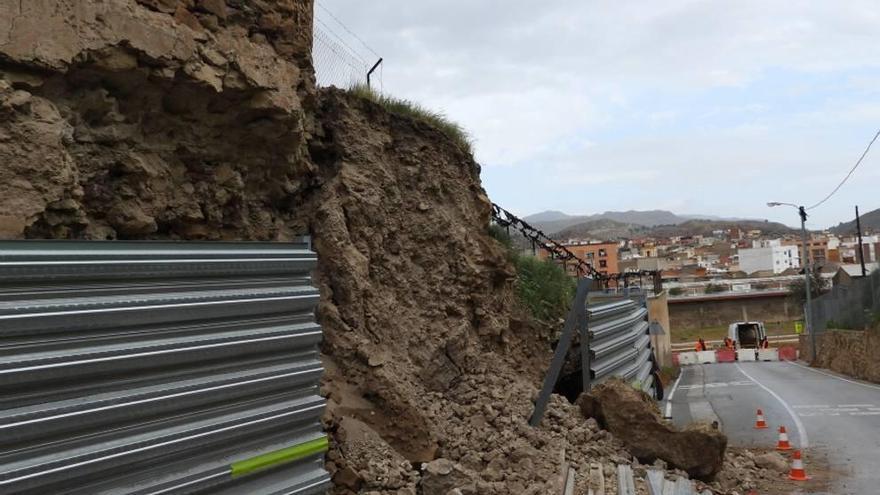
column 159, row 367
column 619, row 343
column 614, row 341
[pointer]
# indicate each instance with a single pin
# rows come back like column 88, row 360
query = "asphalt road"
column 836, row 417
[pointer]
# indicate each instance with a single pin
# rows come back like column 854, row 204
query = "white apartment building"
column 765, row 243
column 775, row 257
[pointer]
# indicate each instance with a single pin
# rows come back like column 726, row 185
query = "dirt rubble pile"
column 199, row 119
column 633, row 417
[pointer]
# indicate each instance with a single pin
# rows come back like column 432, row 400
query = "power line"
column 348, row 30
column 826, row 198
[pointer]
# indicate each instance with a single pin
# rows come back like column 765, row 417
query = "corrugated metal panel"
column 619, row 341
column 159, row 368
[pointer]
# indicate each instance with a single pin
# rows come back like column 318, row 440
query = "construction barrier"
column 687, row 358
column 768, row 355
column 725, row 355
column 788, row 353
column 746, row 354
column 706, row 357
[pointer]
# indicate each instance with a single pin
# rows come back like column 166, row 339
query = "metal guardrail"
column 159, row 367
column 619, row 343
column 614, row 341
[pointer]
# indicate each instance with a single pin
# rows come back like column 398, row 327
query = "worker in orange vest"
column 765, row 343
column 701, row 345
column 728, row 343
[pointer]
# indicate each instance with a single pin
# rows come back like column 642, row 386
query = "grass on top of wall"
column 401, row 106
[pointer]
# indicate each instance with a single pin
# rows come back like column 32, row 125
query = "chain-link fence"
column 341, row 57
column 852, row 305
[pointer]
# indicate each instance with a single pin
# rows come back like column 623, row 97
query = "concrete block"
column 725, row 355
column 687, row 358
column 746, row 354
column 768, row 355
column 706, row 357
column 788, row 353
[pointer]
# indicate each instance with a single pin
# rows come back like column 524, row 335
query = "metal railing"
column 159, row 367
column 614, row 341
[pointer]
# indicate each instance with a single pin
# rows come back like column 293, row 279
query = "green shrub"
column 544, row 287
column 676, row 291
column 715, row 288
column 541, row 285
column 411, row 109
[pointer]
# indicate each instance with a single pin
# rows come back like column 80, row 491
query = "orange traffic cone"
column 797, row 468
column 783, row 444
column 760, row 424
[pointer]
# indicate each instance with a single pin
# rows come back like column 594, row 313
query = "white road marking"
column 802, row 432
column 808, row 410
column 718, row 385
column 868, row 385
column 668, row 413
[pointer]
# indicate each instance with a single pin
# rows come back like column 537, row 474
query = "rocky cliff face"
column 153, row 118
column 199, row 119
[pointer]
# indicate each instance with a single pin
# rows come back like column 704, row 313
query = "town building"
column 602, row 256
column 775, row 259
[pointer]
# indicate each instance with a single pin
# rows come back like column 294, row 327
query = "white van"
column 747, row 334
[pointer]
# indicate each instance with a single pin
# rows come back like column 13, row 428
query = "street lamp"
column 808, row 317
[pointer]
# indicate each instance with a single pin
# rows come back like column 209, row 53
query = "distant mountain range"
column 870, row 221
column 553, row 221
column 663, row 223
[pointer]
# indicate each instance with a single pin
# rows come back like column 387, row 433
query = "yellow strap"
column 271, row 459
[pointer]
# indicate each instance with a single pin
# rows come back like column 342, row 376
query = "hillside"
column 706, row 227
column 870, row 222
column 602, row 229
column 553, row 221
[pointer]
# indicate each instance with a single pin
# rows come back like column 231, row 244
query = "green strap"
column 271, row 459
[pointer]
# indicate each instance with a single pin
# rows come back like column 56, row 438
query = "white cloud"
column 705, row 100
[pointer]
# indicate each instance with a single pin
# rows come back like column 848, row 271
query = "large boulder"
column 632, row 417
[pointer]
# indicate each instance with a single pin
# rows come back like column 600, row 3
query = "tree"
column 797, row 290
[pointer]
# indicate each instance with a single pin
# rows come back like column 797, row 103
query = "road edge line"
column 802, row 431
column 832, row 375
column 668, row 411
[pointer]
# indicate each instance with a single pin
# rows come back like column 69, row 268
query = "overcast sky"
column 699, row 107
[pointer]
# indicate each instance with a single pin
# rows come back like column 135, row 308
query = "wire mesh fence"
column 341, row 57
column 851, row 306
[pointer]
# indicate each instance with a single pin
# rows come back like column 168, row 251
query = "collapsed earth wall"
column 199, row 119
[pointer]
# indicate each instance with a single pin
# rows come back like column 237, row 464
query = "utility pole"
column 805, row 262
column 861, row 249
column 808, row 308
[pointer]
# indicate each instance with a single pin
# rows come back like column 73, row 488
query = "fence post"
column 571, row 321
column 373, row 68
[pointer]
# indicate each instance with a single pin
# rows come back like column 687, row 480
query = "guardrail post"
column 578, row 308
column 585, row 347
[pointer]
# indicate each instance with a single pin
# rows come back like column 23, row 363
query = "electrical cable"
column 848, row 175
